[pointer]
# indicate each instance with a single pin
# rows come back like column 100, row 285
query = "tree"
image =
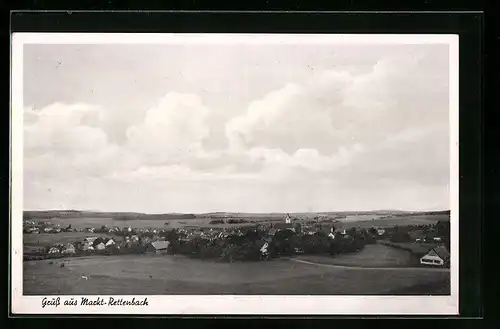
column 400, row 236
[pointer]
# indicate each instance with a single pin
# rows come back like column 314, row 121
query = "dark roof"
column 260, row 243
column 442, row 252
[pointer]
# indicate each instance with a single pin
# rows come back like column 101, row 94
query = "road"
column 423, row 269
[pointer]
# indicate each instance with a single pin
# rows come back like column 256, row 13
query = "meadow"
column 167, row 274
column 372, row 255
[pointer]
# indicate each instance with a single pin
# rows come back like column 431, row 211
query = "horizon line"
column 236, row 212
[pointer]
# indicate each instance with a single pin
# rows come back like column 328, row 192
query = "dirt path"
column 423, row 269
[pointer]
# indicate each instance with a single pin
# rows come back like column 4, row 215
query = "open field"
column 361, row 221
column 47, row 239
column 372, row 255
column 154, row 274
column 390, row 222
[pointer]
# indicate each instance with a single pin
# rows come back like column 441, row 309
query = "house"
column 263, row 247
column 87, row 247
column 437, row 239
column 437, row 256
column 69, row 249
column 53, row 251
column 100, row 246
column 47, row 229
column 158, row 247
column 110, row 243
column 381, row 231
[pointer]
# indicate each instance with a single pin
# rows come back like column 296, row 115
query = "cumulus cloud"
column 334, row 134
column 173, row 129
column 337, row 119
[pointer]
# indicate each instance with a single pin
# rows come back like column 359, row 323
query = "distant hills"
column 47, row 214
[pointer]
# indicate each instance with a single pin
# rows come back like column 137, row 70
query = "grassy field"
column 390, row 222
column 361, row 221
column 374, row 255
column 154, row 274
column 47, row 239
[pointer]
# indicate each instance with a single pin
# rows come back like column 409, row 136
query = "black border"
column 469, row 26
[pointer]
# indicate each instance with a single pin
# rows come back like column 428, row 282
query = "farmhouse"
column 437, row 256
column 381, row 231
column 158, row 247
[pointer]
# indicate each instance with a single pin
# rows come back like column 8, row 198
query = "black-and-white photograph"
column 237, row 165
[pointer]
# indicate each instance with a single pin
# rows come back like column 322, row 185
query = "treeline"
column 248, row 246
column 229, row 221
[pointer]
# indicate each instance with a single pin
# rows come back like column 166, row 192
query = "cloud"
column 59, row 141
column 333, row 138
column 175, row 128
column 372, row 122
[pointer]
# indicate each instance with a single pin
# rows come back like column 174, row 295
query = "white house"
column 331, row 235
column 53, row 250
column 436, row 256
column 381, row 231
column 159, row 247
column 101, row 246
column 110, row 243
column 69, row 249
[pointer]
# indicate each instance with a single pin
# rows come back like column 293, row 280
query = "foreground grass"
column 157, row 275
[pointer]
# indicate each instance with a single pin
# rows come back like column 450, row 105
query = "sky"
column 246, row 128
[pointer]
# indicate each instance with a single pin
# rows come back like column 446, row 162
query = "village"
column 259, row 241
